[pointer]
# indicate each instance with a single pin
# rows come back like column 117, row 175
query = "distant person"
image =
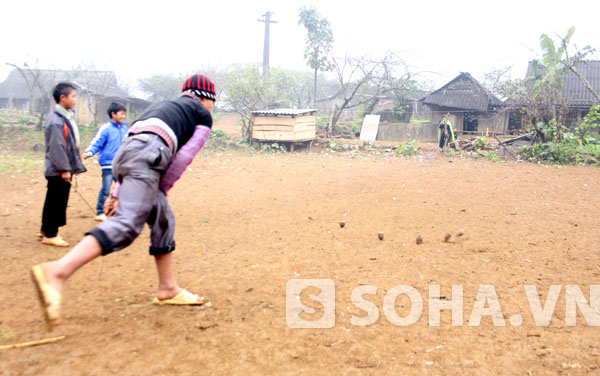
column 106, row 143
column 159, row 147
column 61, row 163
column 445, row 132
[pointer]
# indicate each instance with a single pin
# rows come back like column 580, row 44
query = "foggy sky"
column 139, row 38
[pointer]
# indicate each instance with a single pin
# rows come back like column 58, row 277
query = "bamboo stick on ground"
column 32, row 343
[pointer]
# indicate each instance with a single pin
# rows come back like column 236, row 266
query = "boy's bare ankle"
column 168, row 292
column 53, row 275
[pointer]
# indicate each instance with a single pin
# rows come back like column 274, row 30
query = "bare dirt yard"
column 249, row 223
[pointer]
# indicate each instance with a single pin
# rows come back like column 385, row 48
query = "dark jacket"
column 62, row 153
column 182, row 115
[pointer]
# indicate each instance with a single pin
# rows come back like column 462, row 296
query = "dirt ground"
column 248, row 223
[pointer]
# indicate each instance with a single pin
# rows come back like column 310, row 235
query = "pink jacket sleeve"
column 184, row 157
column 180, row 162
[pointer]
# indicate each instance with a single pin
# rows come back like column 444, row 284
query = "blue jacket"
column 107, row 142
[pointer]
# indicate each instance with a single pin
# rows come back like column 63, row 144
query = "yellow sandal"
column 183, row 298
column 56, row 241
column 49, row 297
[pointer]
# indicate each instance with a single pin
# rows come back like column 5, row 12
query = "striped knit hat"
column 200, row 86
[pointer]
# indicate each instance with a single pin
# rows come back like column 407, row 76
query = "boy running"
column 160, row 146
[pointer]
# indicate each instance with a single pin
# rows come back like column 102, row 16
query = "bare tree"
column 39, row 84
column 364, row 80
column 97, row 85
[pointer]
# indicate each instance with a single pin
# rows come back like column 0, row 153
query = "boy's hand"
column 66, row 176
column 110, row 205
column 87, row 155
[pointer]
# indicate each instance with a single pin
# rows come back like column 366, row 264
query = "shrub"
column 273, row 148
column 490, row 155
column 333, row 145
column 409, row 148
column 564, row 146
column 562, row 153
column 218, row 138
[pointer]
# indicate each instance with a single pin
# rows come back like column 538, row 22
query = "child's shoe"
column 56, row 241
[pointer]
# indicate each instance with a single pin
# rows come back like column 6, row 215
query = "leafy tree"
column 245, row 90
column 161, row 87
column 546, row 99
column 319, row 41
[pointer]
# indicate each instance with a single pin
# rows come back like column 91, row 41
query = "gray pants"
column 138, row 166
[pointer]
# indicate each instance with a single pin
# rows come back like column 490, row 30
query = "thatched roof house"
column 470, row 106
column 96, row 89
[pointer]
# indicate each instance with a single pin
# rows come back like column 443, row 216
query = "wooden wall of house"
column 493, row 122
column 457, row 118
column 82, row 111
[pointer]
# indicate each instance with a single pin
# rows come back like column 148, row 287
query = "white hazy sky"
column 140, row 38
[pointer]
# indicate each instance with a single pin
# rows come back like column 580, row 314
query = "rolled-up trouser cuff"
column 155, row 251
column 105, row 243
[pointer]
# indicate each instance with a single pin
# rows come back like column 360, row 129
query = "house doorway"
column 470, row 123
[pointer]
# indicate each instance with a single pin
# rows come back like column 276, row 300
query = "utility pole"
column 267, row 21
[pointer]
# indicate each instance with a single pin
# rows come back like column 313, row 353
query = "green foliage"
column 490, row 155
column 273, row 148
column 563, row 146
column 409, row 148
column 355, row 129
column 161, row 87
column 322, row 121
column 333, row 145
column 28, row 119
column 218, row 134
column 480, row 143
column 590, row 122
column 21, row 162
column 399, row 110
column 562, row 153
column 344, row 130
column 419, row 121
column 218, row 139
column 545, row 99
column 319, row 38
column 451, row 152
column 549, row 71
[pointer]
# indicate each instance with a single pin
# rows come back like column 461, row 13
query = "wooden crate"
column 284, row 126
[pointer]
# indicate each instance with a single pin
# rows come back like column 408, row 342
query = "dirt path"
column 247, row 224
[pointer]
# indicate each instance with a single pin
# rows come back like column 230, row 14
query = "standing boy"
column 61, row 163
column 160, row 146
column 106, row 143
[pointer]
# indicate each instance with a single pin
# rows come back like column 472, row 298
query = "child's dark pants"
column 54, row 214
